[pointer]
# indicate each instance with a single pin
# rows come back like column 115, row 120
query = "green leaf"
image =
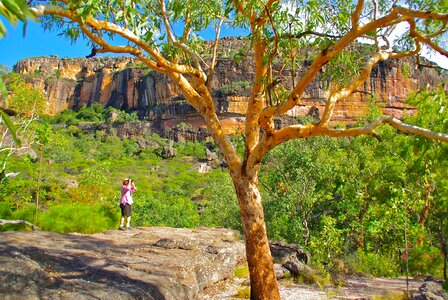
column 25, row 10
column 10, row 126
column 14, row 9
column 24, row 29
column 2, row 29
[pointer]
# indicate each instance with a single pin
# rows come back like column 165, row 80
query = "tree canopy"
column 165, row 35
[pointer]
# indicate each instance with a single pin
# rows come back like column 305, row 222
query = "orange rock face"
column 123, row 83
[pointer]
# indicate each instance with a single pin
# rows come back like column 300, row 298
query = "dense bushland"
column 345, row 200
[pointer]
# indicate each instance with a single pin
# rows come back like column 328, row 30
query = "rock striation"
column 124, row 83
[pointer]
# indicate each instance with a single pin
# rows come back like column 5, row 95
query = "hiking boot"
column 121, row 228
column 128, row 228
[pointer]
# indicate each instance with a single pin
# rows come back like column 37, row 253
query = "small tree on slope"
column 277, row 30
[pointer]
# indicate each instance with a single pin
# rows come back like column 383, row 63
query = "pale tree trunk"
column 262, row 276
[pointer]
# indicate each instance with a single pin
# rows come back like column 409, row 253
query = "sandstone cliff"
column 124, row 83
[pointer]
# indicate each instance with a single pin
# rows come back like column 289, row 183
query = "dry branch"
column 5, row 222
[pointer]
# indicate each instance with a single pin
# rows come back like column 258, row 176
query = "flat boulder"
column 143, row 263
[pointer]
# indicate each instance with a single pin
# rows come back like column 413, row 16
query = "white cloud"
column 437, row 58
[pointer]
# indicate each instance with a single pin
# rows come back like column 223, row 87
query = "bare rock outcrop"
column 144, row 263
column 292, row 258
column 431, row 290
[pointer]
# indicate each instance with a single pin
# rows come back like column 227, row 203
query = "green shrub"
column 329, row 243
column 183, row 184
column 425, row 260
column 150, row 156
column 127, row 117
column 87, row 145
column 148, row 211
column 196, row 150
column 60, row 154
column 221, row 205
column 26, row 212
column 319, row 277
column 181, row 212
column 375, row 264
column 122, row 116
column 134, row 65
column 406, row 70
column 75, row 131
column 235, row 87
column 23, row 97
column 130, row 147
column 79, row 218
column 393, row 295
column 92, row 113
column 157, row 211
column 67, row 117
column 154, row 137
column 111, row 148
column 5, row 210
column 183, row 126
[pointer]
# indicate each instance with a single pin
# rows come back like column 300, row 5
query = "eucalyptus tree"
column 164, row 35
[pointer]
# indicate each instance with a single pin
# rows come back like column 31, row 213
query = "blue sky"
column 15, row 46
column 38, row 42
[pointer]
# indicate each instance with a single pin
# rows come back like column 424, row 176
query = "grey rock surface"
column 431, row 290
column 138, row 264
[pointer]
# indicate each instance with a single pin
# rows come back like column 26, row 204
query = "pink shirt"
column 126, row 194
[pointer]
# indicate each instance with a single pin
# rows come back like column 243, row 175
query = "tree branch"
column 4, row 222
column 421, row 14
column 276, row 37
column 356, row 14
column 181, row 45
column 162, row 63
column 427, row 41
column 310, row 130
column 239, row 6
column 107, row 47
column 310, row 32
column 169, row 32
column 214, row 55
column 403, row 127
column 266, row 12
column 437, row 33
column 323, row 58
column 350, row 88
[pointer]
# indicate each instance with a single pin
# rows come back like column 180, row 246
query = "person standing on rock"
column 126, row 202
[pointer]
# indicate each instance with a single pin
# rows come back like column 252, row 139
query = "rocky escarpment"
column 144, row 263
column 124, row 83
